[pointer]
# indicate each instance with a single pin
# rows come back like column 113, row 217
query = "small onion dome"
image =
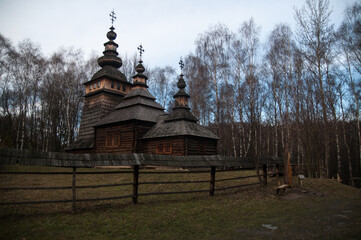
column 140, row 68
column 181, row 83
column 111, row 35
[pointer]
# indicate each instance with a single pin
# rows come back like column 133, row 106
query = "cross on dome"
column 141, row 51
column 181, row 64
column 112, row 17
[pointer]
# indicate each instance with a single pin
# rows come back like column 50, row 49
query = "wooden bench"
column 282, row 187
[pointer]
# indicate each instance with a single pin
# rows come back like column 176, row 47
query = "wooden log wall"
column 115, row 139
column 120, row 138
column 201, row 146
column 171, row 146
column 95, row 108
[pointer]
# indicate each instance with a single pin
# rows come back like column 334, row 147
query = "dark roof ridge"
column 139, row 92
column 135, row 104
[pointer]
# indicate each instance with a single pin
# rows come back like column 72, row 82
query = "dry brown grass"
column 321, row 209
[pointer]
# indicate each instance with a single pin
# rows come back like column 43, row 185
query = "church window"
column 118, row 85
column 160, row 148
column 167, row 147
column 98, row 84
column 164, row 147
column 90, row 87
column 113, row 140
column 124, row 88
column 112, row 85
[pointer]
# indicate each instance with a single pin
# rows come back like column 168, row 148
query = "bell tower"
column 103, row 92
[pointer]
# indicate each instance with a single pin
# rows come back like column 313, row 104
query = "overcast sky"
column 166, row 28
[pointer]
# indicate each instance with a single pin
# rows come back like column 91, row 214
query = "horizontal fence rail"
column 202, row 164
column 135, row 184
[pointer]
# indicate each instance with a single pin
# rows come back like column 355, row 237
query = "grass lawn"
column 328, row 210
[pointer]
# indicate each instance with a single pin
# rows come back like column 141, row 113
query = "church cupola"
column 181, row 111
column 109, row 78
column 140, row 80
column 181, row 97
column 110, row 54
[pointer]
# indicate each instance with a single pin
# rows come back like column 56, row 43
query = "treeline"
column 41, row 98
column 299, row 91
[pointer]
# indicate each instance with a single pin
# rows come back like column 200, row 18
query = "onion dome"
column 110, row 62
column 140, row 79
column 181, row 83
column 110, row 54
column 181, row 96
column 181, row 111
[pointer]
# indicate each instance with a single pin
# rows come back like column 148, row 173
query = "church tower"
column 103, row 92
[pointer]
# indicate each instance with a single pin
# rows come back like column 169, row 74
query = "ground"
column 320, row 209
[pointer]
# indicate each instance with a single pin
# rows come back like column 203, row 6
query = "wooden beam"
column 265, row 174
column 213, row 180
column 74, row 190
column 135, row 183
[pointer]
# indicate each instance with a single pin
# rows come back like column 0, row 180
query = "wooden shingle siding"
column 95, row 108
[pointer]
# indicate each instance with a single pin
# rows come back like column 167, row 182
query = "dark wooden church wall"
column 121, row 138
column 95, row 108
column 115, row 139
column 168, row 146
column 201, row 146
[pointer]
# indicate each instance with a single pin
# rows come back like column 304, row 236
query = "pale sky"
column 167, row 29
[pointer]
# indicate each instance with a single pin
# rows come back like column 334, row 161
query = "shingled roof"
column 110, row 72
column 138, row 104
column 181, row 122
column 165, row 128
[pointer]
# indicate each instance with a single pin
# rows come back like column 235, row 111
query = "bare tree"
column 280, row 64
column 349, row 42
column 248, row 39
column 212, row 48
column 316, row 37
column 162, row 84
column 198, row 82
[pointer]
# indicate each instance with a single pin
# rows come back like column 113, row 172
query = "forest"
column 297, row 91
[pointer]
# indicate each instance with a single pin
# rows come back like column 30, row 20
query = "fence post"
column 265, row 174
column 135, row 183
column 213, row 181
column 74, row 189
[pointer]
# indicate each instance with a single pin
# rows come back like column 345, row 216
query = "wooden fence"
column 212, row 163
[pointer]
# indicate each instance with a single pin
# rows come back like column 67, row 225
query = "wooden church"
column 123, row 117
